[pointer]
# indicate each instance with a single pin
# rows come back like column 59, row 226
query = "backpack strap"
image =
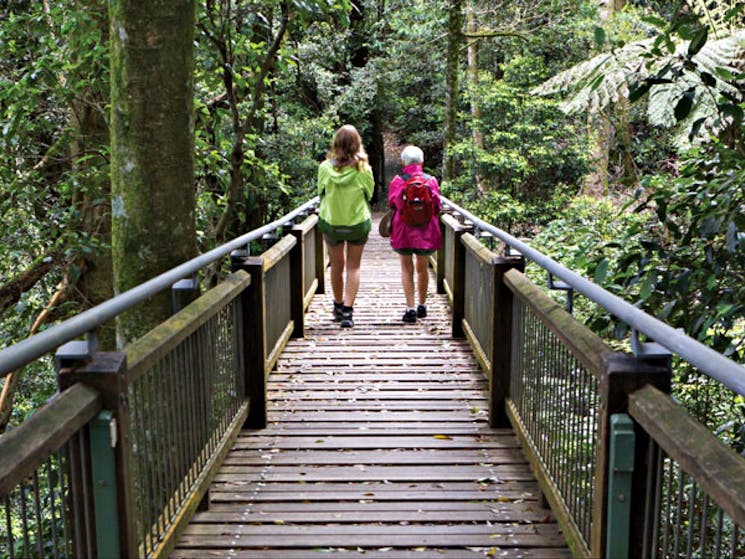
column 407, row 176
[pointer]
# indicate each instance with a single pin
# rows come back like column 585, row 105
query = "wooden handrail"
column 25, row 448
column 582, row 342
column 716, row 468
column 163, row 338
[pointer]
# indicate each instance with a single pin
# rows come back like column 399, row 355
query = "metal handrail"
column 708, row 361
column 25, row 351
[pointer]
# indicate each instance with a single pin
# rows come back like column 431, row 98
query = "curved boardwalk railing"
column 117, row 462
column 627, row 470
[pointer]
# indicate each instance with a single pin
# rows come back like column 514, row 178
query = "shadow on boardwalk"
column 377, row 446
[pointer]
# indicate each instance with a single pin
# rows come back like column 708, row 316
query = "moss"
column 152, row 148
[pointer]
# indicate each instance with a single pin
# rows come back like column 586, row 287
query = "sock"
column 347, row 309
column 338, row 305
column 410, row 309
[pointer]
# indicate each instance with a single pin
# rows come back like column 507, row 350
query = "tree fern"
column 595, row 84
column 720, row 15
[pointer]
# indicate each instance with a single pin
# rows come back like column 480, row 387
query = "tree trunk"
column 473, row 82
column 454, row 42
column 152, row 149
column 602, row 133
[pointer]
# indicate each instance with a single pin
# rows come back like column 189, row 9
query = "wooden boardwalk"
column 377, row 447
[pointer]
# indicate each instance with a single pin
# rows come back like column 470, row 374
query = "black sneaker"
column 337, row 311
column 421, row 311
column 410, row 316
column 346, row 317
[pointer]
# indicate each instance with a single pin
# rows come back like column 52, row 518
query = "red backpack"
column 418, row 206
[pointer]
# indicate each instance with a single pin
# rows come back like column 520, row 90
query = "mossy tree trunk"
column 454, row 42
column 152, row 149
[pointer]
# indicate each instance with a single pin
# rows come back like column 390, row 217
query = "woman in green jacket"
column 345, row 185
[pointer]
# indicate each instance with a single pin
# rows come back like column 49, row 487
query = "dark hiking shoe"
column 421, row 311
column 337, row 311
column 346, row 317
column 410, row 316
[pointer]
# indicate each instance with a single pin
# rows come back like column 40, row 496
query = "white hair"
column 411, row 155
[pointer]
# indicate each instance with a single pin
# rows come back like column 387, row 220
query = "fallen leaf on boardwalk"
column 492, row 552
column 504, row 499
column 279, row 521
column 443, row 437
column 420, row 549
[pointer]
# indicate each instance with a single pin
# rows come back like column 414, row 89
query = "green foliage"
column 583, row 237
column 529, row 146
column 412, row 70
column 687, row 263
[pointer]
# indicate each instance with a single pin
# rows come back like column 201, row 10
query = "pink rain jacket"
column 403, row 236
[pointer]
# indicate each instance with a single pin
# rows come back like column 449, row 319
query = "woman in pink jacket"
column 414, row 241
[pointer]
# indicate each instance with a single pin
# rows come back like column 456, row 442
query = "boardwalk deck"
column 378, row 446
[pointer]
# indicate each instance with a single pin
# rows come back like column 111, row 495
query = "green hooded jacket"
column 345, row 194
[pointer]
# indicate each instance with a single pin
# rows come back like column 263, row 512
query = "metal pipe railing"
column 708, row 361
column 25, row 351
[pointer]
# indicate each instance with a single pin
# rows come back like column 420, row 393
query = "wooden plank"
column 480, row 473
column 396, row 456
column 518, row 495
column 525, row 513
column 290, row 539
column 383, row 552
column 373, row 416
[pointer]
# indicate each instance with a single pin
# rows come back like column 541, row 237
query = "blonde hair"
column 347, row 149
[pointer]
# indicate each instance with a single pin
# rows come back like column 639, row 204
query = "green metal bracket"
column 103, row 472
column 622, row 441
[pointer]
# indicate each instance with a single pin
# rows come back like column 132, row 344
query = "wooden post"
column 253, row 311
column 184, row 292
column 441, row 259
column 297, row 282
column 459, row 281
column 501, row 350
column 107, row 373
column 621, row 375
column 320, row 260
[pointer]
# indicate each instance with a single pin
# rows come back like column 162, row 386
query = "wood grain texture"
column 377, row 445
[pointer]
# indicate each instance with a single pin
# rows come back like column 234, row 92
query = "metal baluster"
column 11, row 543
column 37, row 513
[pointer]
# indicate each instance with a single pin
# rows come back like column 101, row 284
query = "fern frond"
column 595, row 84
column 714, row 14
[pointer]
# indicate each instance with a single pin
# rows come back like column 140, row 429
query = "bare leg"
column 422, row 277
column 337, row 259
column 354, row 259
column 407, row 278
